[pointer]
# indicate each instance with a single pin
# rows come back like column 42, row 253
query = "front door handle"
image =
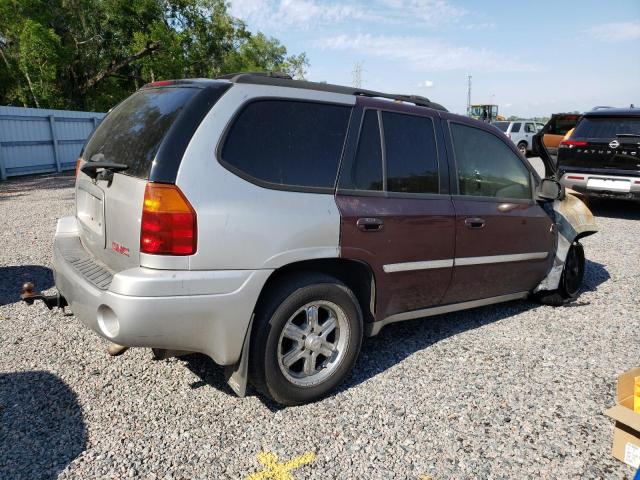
column 475, row 222
column 369, row 224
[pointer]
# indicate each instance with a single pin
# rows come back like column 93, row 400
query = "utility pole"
column 357, row 75
column 468, row 95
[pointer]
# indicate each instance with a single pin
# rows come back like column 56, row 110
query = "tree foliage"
column 89, row 54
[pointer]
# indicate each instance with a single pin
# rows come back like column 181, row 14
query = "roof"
column 283, row 80
column 614, row 112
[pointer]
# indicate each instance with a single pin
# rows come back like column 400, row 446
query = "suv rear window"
column 607, row 127
column 288, row 143
column 133, row 131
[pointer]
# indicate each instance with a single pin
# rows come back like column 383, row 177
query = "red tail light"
column 78, row 162
column 168, row 224
column 572, row 143
column 574, row 177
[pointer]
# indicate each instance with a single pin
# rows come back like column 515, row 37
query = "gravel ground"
column 511, row 391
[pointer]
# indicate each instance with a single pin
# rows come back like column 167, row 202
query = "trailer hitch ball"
column 29, row 296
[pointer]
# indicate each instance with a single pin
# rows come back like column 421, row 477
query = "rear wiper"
column 627, row 134
column 91, row 169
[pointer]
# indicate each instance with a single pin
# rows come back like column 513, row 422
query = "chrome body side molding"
column 518, row 257
column 464, row 261
column 372, row 329
column 426, row 265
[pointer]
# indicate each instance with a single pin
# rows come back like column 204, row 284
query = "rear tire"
column 306, row 338
column 570, row 281
column 522, row 146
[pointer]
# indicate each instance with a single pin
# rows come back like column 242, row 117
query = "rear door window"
column 133, row 131
column 287, row 143
column 529, row 128
column 515, row 127
column 411, row 153
column 487, row 167
column 607, row 127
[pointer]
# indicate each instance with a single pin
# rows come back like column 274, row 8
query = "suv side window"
column 515, row 127
column 366, row 171
column 529, row 128
column 287, row 143
column 411, row 153
column 486, row 166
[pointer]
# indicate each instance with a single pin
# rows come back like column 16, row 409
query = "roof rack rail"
column 284, row 80
column 234, row 77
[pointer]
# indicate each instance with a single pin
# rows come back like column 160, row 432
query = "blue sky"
column 531, row 58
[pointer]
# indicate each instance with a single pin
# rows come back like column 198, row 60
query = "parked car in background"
column 554, row 131
column 602, row 156
column 272, row 224
column 520, row 132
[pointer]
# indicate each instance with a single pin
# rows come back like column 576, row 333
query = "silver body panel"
column 206, row 312
column 246, row 226
column 108, row 214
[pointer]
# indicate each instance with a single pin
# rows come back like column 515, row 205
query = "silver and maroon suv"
column 271, row 224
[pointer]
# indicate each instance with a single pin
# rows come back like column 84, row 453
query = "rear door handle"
column 474, row 222
column 369, row 224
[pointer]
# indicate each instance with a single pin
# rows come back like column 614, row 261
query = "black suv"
column 602, row 156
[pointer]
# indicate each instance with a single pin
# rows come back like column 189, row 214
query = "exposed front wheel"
column 306, row 339
column 522, row 146
column 571, row 279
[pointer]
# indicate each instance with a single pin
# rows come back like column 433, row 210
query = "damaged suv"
column 271, row 224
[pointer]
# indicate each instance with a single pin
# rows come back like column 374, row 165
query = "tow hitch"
column 29, row 296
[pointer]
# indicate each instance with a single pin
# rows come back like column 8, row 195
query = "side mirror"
column 550, row 189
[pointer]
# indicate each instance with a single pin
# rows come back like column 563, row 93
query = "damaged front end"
column 573, row 221
column 571, row 216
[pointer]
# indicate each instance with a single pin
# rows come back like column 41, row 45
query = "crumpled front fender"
column 574, row 221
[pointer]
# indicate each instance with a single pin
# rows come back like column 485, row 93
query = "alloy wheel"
column 313, row 343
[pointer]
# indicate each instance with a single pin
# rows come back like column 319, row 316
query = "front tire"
column 570, row 281
column 522, row 146
column 306, row 339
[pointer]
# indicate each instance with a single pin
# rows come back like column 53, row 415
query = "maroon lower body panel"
column 403, row 234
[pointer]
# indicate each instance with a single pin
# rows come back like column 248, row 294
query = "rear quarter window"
column 133, row 131
column 287, row 143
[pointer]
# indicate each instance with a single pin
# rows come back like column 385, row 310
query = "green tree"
column 89, row 54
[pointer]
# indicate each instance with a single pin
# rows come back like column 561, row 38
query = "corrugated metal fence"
column 35, row 140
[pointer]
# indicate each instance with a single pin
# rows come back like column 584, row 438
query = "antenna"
column 468, row 95
column 357, row 75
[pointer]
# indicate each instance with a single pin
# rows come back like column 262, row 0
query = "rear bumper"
column 200, row 311
column 604, row 185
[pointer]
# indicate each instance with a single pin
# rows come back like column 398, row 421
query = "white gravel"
column 511, row 391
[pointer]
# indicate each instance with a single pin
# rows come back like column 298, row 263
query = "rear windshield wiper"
column 627, row 134
column 91, row 168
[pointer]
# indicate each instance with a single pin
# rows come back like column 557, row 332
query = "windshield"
column 607, row 127
column 133, row 131
column 502, row 125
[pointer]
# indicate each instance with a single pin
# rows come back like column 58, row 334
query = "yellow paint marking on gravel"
column 275, row 470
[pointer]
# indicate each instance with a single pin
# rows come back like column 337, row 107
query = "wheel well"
column 523, row 141
column 356, row 275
